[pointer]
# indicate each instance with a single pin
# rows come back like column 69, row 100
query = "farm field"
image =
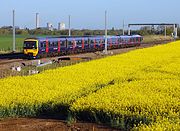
column 154, row 38
column 138, row 90
column 6, row 42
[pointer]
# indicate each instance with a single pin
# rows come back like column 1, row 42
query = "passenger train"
column 54, row 46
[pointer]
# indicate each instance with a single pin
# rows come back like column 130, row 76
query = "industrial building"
column 50, row 26
column 61, row 26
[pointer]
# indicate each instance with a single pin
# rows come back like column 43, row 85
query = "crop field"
column 6, row 42
column 154, row 38
column 139, row 90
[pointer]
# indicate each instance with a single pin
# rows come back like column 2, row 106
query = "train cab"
column 30, row 47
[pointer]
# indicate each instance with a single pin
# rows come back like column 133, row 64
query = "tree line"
column 146, row 30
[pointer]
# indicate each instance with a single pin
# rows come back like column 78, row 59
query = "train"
column 57, row 46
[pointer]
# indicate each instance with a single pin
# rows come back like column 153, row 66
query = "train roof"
column 81, row 37
column 136, row 36
column 77, row 38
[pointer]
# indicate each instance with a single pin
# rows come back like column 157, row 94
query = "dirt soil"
column 32, row 124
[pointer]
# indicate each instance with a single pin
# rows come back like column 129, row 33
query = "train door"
column 82, row 43
column 94, row 43
column 59, row 45
column 47, row 46
column 117, row 43
column 63, row 46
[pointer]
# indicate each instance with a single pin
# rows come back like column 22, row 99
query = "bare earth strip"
column 31, row 124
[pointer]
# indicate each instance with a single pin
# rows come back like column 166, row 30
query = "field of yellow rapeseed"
column 139, row 90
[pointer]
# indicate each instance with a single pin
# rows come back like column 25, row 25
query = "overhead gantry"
column 154, row 24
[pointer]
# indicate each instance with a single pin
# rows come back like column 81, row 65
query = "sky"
column 89, row 14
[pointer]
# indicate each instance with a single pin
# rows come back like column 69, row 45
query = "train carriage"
column 53, row 46
column 113, row 42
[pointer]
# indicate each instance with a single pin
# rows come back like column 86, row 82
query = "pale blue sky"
column 89, row 13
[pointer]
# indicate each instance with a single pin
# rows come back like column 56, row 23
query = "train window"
column 103, row 41
column 130, row 40
column 79, row 42
column 92, row 41
column 127, row 40
column 55, row 44
column 137, row 39
column 85, row 42
column 52, row 44
column 43, row 44
column 62, row 43
column 113, row 41
column 70, row 43
column 49, row 44
column 97, row 41
column 109, row 41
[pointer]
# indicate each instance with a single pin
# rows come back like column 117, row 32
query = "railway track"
column 2, row 62
column 10, row 58
column 19, row 57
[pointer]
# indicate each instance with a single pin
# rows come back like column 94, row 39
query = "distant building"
column 50, row 26
column 61, row 26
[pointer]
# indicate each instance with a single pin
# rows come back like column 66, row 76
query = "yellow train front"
column 30, row 48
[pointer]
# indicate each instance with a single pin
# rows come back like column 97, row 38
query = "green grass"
column 6, row 42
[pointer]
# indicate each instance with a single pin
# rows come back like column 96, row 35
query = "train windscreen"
column 30, row 45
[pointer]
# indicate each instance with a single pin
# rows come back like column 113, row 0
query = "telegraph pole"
column 175, row 31
column 37, row 20
column 105, row 32
column 165, row 31
column 14, row 42
column 123, row 27
column 69, row 25
column 129, row 30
